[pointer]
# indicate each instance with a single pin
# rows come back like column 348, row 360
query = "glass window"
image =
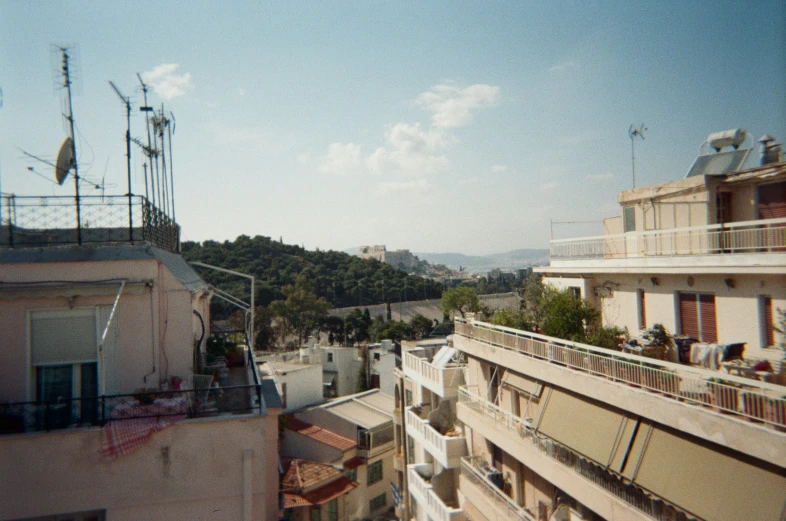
column 629, row 219
column 374, row 473
column 315, row 513
column 332, row 510
column 352, row 474
column 377, row 502
column 408, row 395
column 330, row 357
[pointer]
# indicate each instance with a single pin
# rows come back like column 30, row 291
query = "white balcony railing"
column 445, row 449
column 425, row 496
column 595, row 473
column 759, row 401
column 442, row 380
column 765, row 235
column 507, row 508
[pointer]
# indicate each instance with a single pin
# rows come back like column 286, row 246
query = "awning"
column 587, row 427
column 353, row 463
column 330, row 491
column 86, row 289
column 522, row 383
column 328, row 379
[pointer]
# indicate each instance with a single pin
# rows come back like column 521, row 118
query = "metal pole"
column 70, row 117
column 128, row 158
column 633, row 158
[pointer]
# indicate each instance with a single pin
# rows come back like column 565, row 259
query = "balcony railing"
column 471, row 470
column 23, row 417
column 641, row 500
column 441, row 380
column 758, row 401
column 425, row 496
column 766, row 235
column 52, row 221
column 446, row 449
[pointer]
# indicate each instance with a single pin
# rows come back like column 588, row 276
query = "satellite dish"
column 65, row 160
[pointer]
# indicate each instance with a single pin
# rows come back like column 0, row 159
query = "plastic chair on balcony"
column 202, row 384
column 219, row 363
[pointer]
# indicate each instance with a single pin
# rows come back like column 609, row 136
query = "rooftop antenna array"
column 66, row 157
column 634, row 133
column 150, row 151
column 127, row 102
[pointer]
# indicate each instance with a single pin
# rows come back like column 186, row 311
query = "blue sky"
column 450, row 126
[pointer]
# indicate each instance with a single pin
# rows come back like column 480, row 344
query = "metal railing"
column 443, row 448
column 765, row 235
column 640, row 499
column 52, row 220
column 470, row 469
column 23, row 417
column 439, row 377
column 758, row 401
column 425, row 494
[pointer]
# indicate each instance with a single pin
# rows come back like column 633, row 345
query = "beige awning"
column 86, row 289
column 587, row 427
column 522, row 383
column 710, row 481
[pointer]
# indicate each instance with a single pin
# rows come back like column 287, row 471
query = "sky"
column 431, row 126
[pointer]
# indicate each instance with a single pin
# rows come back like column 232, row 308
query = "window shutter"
column 709, row 325
column 769, row 331
column 689, row 316
column 63, row 337
column 642, row 310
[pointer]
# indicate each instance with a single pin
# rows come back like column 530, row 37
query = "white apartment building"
column 106, row 409
column 340, row 367
column 299, row 385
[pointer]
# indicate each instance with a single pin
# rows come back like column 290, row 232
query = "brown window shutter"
column 709, row 323
column 643, row 308
column 689, row 315
column 769, row 328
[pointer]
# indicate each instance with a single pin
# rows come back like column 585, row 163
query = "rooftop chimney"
column 769, row 150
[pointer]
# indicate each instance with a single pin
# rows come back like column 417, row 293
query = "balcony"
column 56, row 221
column 398, row 462
column 486, row 496
column 443, row 381
column 761, row 236
column 710, row 391
column 601, row 490
column 448, row 450
column 427, row 498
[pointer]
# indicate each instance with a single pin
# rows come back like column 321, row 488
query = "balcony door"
column 698, row 317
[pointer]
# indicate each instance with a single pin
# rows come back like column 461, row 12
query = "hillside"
column 344, row 280
column 479, row 263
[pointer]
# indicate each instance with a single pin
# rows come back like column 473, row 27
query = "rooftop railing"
column 759, row 401
column 67, row 413
column 52, row 221
column 765, row 235
column 441, row 379
column 643, row 501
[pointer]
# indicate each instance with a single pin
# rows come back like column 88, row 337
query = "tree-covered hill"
column 344, row 280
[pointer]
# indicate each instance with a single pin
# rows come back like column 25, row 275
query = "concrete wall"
column 304, row 386
column 189, row 471
column 384, row 367
column 156, row 326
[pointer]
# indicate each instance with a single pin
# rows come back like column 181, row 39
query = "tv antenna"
column 634, row 133
column 66, row 158
column 127, row 102
column 151, row 152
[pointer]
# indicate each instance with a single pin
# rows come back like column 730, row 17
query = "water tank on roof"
column 727, row 138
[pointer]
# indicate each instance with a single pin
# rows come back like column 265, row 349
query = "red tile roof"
column 294, row 501
column 300, row 474
column 319, row 434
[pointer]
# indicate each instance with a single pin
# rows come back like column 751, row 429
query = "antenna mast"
column 70, row 117
column 633, row 133
column 170, row 130
column 127, row 102
column 150, row 150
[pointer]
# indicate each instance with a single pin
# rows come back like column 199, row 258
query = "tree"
column 420, row 325
column 566, row 316
column 302, row 311
column 356, row 325
column 462, row 299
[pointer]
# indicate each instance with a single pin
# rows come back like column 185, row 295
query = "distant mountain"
column 480, row 263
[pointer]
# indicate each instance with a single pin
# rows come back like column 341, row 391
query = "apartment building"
column 704, row 255
column 429, row 441
column 107, row 410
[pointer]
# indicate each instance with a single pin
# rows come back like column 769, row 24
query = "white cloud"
column 166, row 82
column 409, row 150
column 550, row 185
column 451, row 107
column 564, row 67
column 599, row 177
column 303, row 158
column 420, row 186
column 342, row 159
column 468, row 180
column 498, row 169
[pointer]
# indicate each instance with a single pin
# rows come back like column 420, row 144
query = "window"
column 332, row 510
column 575, row 291
column 374, row 473
column 410, row 450
column 352, row 474
column 377, row 502
column 697, row 316
column 376, row 357
column 408, row 395
column 330, row 357
column 629, row 219
column 283, row 395
column 766, row 326
column 315, row 515
column 642, row 308
column 723, row 207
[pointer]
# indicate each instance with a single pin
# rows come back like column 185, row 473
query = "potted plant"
column 659, row 340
